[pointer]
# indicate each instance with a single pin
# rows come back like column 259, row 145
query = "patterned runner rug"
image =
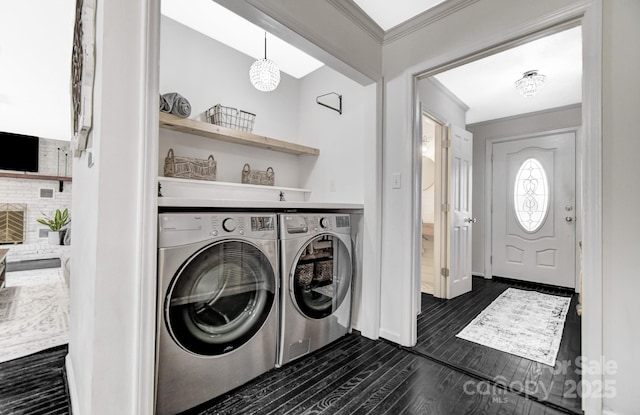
column 34, row 312
column 528, row 324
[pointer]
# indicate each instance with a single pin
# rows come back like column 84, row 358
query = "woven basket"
column 304, row 274
column 324, row 270
column 264, row 178
column 189, row 168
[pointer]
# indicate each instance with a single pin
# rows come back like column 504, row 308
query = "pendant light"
column 264, row 73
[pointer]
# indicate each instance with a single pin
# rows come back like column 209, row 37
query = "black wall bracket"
column 339, row 109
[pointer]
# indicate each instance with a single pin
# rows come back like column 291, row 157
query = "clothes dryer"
column 316, row 269
column 217, row 305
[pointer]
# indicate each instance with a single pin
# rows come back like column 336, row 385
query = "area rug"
column 34, row 312
column 524, row 323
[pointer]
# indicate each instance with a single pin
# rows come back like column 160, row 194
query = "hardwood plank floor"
column 359, row 376
column 356, row 375
column 440, row 321
column 35, row 384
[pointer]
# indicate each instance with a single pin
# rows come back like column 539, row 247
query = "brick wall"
column 27, row 191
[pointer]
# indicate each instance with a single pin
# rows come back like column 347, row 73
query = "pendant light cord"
column 265, row 45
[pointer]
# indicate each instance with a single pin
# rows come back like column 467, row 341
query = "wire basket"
column 231, row 118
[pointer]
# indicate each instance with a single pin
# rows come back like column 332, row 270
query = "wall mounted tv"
column 19, row 152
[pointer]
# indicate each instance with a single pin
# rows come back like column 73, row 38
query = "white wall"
column 207, row 73
column 51, row 162
column 337, row 175
column 565, row 117
column 621, row 194
column 108, row 233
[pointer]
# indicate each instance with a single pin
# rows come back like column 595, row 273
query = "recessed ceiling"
column 487, row 85
column 388, row 14
column 217, row 22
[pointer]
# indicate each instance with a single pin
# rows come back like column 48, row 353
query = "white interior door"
column 459, row 214
column 533, row 209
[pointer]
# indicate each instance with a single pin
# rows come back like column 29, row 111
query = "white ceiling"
column 487, row 85
column 388, row 14
column 215, row 21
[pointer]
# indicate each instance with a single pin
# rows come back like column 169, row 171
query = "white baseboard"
column 71, row 383
column 477, row 274
column 608, row 412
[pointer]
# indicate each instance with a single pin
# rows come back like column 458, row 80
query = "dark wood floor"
column 35, row 384
column 357, row 375
column 354, row 375
column 441, row 320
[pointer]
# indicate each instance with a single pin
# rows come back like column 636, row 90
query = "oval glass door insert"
column 531, row 195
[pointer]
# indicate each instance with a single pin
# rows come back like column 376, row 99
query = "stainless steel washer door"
column 220, row 297
column 321, row 276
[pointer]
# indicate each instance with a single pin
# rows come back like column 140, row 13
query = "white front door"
column 460, row 215
column 533, row 219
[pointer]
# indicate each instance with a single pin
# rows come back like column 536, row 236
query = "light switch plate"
column 396, row 180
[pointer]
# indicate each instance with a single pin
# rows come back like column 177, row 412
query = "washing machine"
column 217, row 304
column 316, row 275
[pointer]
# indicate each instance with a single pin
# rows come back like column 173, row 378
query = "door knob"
column 569, row 218
column 470, row 220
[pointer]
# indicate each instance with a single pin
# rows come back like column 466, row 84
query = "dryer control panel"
column 184, row 228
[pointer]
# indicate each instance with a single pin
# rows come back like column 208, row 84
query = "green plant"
column 59, row 220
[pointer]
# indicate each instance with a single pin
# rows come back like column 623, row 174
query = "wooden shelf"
column 35, row 177
column 185, row 125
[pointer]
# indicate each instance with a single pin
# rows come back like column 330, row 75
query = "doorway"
column 432, row 130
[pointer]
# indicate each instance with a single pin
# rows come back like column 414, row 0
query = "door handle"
column 569, row 218
column 470, row 220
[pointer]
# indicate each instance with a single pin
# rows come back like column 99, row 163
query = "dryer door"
column 321, row 276
column 220, row 297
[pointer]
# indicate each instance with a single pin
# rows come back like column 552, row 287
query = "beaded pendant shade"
column 530, row 83
column 264, row 73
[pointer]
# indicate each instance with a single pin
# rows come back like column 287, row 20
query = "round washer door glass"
column 220, row 298
column 322, row 276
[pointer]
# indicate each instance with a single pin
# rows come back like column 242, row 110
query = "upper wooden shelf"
column 36, row 177
column 186, row 125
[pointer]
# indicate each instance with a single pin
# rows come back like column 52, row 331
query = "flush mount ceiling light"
column 264, row 73
column 530, row 83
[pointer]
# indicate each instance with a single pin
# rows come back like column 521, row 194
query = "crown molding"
column 354, row 13
column 453, row 97
column 425, row 18
column 525, row 115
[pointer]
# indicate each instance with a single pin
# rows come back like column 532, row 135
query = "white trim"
column 147, row 205
column 350, row 9
column 71, row 385
column 425, row 18
column 591, row 166
column 525, row 115
column 463, row 107
column 488, row 186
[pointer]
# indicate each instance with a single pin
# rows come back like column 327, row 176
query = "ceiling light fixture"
column 264, row 73
column 530, row 83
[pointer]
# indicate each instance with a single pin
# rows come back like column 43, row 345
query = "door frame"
column 488, row 183
column 589, row 16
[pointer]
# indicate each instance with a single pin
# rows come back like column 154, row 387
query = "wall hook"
column 339, row 109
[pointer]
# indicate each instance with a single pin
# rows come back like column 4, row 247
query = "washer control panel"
column 183, row 228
